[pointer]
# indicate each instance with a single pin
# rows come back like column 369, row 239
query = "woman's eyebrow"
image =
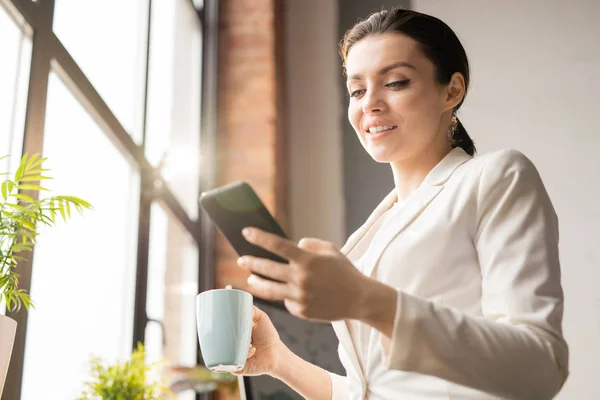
column 398, row 64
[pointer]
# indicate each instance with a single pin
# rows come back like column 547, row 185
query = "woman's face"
column 396, row 104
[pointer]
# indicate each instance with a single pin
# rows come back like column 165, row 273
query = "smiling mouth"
column 380, row 129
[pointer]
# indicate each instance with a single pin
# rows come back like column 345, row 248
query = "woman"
column 451, row 288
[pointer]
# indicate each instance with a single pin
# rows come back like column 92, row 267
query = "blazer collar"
column 436, row 177
column 444, row 169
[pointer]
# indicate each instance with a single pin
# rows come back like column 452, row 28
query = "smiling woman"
column 404, row 93
column 451, row 288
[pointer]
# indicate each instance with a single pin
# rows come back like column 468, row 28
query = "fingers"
column 251, row 352
column 266, row 267
column 315, row 245
column 256, row 314
column 268, row 289
column 273, row 243
column 294, row 308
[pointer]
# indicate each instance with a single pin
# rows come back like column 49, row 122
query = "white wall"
column 314, row 120
column 536, row 88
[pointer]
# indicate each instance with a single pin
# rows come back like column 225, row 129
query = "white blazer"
column 473, row 254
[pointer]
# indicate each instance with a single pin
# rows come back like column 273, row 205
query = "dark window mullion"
column 209, row 17
column 40, row 18
column 140, row 316
column 146, row 74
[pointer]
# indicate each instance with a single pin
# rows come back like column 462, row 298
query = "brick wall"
column 250, row 140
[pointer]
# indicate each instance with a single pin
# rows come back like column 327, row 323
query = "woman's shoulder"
column 501, row 163
column 503, row 171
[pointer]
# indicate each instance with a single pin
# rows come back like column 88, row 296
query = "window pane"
column 83, row 271
column 15, row 53
column 173, row 118
column 172, row 289
column 107, row 39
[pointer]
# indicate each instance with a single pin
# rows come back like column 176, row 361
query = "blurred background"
column 140, row 105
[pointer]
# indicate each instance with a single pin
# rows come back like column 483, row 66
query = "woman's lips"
column 379, row 135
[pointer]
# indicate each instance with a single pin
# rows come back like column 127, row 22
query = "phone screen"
column 236, row 206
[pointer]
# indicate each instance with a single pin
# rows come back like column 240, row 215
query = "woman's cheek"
column 354, row 117
column 406, row 101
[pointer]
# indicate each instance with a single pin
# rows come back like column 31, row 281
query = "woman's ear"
column 455, row 91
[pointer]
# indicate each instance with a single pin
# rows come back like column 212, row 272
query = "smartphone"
column 236, row 206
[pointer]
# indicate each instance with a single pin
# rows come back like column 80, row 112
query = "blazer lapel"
column 360, row 232
column 413, row 207
column 431, row 186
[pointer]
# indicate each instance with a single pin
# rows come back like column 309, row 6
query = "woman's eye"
column 356, row 93
column 398, row 84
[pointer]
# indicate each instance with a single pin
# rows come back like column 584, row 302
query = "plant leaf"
column 5, row 189
column 31, row 161
column 31, row 187
column 76, row 200
column 61, row 208
column 20, row 247
column 35, row 178
column 39, row 163
column 29, row 226
column 23, row 197
column 52, row 211
column 36, row 171
column 19, row 172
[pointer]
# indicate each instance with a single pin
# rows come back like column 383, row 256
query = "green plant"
column 128, row 380
column 19, row 215
column 201, row 379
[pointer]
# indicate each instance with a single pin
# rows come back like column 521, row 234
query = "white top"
column 361, row 333
column 473, row 253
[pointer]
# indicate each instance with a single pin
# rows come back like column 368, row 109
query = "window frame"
column 49, row 54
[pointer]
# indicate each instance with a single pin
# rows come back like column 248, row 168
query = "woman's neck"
column 410, row 173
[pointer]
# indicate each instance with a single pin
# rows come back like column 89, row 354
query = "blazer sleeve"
column 516, row 349
column 339, row 390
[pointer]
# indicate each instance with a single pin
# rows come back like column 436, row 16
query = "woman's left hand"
column 319, row 283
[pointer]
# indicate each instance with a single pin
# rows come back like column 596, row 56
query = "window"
column 86, row 274
column 90, row 312
column 15, row 52
column 172, row 273
column 174, row 99
column 107, row 39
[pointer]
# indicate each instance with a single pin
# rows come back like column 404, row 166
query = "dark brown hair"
column 437, row 41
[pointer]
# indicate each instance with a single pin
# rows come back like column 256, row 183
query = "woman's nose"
column 372, row 102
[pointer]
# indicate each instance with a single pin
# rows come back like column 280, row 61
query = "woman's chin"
column 381, row 156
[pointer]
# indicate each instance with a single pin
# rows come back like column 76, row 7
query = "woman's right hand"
column 266, row 348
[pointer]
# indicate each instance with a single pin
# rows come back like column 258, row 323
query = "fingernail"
column 247, row 232
column 242, row 262
column 252, row 280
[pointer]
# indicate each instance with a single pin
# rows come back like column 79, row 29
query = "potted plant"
column 20, row 215
column 201, row 380
column 129, row 380
column 136, row 380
